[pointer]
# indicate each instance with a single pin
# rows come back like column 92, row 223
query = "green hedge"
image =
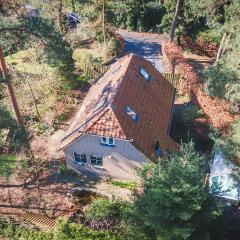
column 65, row 230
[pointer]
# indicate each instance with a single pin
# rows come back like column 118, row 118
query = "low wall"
column 216, row 110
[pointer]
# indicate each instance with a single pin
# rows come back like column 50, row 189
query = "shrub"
column 63, row 169
column 231, row 143
column 84, row 56
column 190, row 113
column 129, row 185
column 113, row 47
column 16, row 232
column 101, row 209
column 65, row 230
column 210, row 36
column 222, row 83
column 7, row 165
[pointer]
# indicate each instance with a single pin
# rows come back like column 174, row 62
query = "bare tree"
column 10, row 89
column 175, row 19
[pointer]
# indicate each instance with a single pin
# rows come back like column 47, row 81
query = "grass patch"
column 7, row 165
column 131, row 185
column 24, row 61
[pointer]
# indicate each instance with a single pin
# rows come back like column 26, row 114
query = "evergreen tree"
column 175, row 203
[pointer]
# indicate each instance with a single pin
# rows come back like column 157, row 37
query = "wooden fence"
column 174, row 79
column 95, row 72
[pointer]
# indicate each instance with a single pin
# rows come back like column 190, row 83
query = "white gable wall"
column 119, row 162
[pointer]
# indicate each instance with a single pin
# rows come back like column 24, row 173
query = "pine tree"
column 175, row 203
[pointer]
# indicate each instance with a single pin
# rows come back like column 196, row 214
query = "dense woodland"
column 47, row 62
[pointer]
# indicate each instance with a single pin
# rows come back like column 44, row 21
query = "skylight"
column 131, row 113
column 145, row 74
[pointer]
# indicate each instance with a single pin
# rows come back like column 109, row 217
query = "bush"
column 113, row 47
column 7, row 165
column 190, row 113
column 222, row 83
column 63, row 169
column 129, row 185
column 84, row 56
column 65, row 230
column 231, row 143
column 16, row 232
column 101, row 209
column 210, row 36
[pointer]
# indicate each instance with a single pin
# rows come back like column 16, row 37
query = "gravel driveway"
column 146, row 45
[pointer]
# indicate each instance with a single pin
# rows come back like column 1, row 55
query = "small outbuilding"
column 222, row 183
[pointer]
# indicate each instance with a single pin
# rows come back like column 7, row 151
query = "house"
column 123, row 122
column 221, row 181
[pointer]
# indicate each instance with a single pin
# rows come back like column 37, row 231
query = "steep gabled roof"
column 103, row 111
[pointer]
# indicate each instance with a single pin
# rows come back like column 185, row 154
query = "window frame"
column 143, row 72
column 97, row 159
column 129, row 111
column 106, row 142
column 81, row 155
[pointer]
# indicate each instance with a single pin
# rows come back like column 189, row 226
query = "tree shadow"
column 197, row 130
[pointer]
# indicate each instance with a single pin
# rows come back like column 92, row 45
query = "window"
column 80, row 157
column 131, row 113
column 145, row 74
column 96, row 160
column 108, row 141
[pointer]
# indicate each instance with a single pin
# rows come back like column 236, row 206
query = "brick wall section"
column 216, row 110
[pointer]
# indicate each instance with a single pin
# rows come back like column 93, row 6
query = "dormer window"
column 145, row 74
column 108, row 141
column 131, row 113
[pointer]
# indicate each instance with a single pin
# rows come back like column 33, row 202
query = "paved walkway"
column 146, row 45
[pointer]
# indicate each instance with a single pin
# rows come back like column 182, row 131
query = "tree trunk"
column 223, row 46
column 10, row 89
column 103, row 22
column 61, row 19
column 226, row 46
column 73, row 6
column 175, row 19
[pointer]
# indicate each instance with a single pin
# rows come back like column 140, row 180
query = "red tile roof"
column 103, row 110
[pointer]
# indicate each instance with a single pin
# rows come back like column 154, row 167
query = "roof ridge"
column 122, row 77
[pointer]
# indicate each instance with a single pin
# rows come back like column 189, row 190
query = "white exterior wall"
column 120, row 161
